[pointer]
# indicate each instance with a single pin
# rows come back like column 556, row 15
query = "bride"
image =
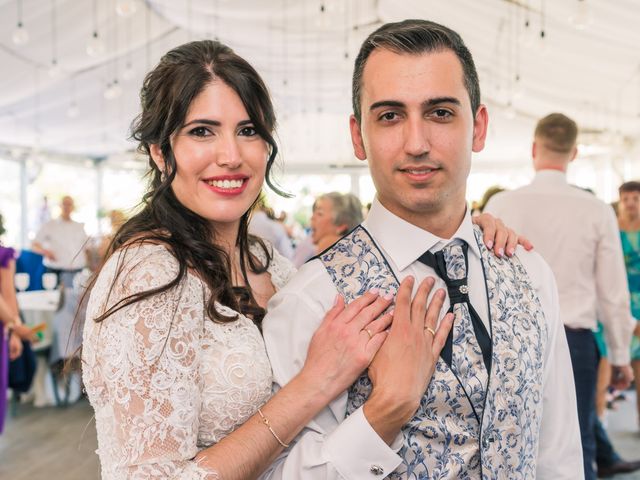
column 173, row 359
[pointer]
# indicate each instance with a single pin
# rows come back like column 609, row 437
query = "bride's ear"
column 156, row 155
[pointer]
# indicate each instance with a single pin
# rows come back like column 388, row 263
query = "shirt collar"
column 404, row 242
column 550, row 177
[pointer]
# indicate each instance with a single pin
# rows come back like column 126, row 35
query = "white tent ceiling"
column 305, row 51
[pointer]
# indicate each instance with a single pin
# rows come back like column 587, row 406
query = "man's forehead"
column 387, row 71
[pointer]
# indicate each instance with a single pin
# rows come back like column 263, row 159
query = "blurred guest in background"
column 629, row 223
column 263, row 224
column 577, row 235
column 97, row 250
column 334, row 214
column 62, row 243
column 12, row 331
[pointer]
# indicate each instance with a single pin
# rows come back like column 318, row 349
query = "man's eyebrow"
column 427, row 103
column 386, row 103
column 438, row 100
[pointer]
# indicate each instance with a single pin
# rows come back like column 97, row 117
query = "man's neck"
column 443, row 223
column 65, row 218
column 554, row 168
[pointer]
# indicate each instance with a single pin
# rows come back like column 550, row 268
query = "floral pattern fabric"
column 466, row 356
column 445, row 439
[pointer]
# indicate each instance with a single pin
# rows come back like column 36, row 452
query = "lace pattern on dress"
column 164, row 380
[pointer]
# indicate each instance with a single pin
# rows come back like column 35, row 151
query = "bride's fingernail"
column 388, row 296
column 490, row 244
column 374, row 291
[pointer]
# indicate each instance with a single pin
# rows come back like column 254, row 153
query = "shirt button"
column 376, row 470
column 485, row 442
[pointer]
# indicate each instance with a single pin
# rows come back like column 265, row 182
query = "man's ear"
column 356, row 139
column 574, row 154
column 157, row 156
column 480, row 126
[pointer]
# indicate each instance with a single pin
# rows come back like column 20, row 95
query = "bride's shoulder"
column 279, row 267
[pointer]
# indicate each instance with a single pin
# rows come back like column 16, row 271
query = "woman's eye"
column 248, row 132
column 200, row 132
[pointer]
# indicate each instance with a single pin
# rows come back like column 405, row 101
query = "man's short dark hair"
column 557, row 132
column 416, row 37
column 628, row 187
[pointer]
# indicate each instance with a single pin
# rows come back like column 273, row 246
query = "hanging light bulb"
column 73, row 111
column 116, row 89
column 95, row 46
column 20, row 35
column 510, row 111
column 108, row 93
column 581, row 18
column 518, row 91
column 126, row 8
column 128, row 72
column 54, row 69
column 542, row 43
column 113, row 90
column 528, row 35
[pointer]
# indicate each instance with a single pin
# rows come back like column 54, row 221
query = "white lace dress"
column 164, row 380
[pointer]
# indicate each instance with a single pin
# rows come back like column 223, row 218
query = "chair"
column 31, row 263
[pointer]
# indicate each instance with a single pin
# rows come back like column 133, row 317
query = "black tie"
column 458, row 291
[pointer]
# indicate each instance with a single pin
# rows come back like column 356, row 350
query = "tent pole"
column 24, row 207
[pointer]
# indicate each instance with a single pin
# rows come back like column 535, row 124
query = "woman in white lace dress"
column 173, row 359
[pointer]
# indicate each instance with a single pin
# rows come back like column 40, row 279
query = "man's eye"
column 442, row 113
column 388, row 116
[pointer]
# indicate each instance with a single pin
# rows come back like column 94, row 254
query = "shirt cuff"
column 619, row 356
column 357, row 451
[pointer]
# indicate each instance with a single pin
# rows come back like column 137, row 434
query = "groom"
column 501, row 403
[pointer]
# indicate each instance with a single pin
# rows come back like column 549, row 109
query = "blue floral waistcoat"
column 445, row 439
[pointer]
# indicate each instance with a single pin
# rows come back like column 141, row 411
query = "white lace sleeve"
column 280, row 268
column 142, row 370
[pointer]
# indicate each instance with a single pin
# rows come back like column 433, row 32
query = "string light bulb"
column 20, row 35
column 95, row 46
column 126, row 8
column 581, row 18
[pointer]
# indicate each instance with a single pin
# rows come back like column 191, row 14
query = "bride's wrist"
column 312, row 390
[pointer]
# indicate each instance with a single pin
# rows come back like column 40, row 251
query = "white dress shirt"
column 67, row 240
column 577, row 234
column 332, row 447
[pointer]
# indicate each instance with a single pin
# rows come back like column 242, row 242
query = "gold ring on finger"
column 368, row 332
column 430, row 330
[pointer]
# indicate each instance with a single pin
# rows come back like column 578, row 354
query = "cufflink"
column 376, row 470
column 464, row 289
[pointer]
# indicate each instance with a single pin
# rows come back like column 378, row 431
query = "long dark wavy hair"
column 166, row 95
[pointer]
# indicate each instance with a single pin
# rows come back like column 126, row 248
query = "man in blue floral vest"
column 499, row 402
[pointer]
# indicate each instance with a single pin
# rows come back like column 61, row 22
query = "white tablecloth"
column 42, row 306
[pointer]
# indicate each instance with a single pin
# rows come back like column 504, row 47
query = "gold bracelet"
column 265, row 420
